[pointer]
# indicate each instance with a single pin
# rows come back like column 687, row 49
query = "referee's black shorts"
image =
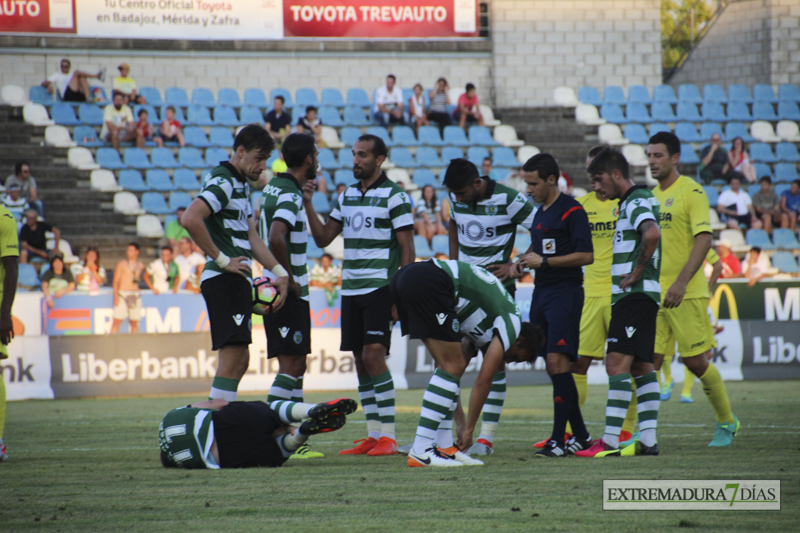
column 243, row 431
column 423, row 295
column 229, row 300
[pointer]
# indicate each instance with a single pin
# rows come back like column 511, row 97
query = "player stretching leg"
column 374, row 216
column 9, row 269
column 685, row 240
column 220, row 221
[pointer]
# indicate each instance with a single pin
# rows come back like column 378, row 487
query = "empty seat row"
column 426, row 156
column 159, row 158
column 689, row 112
column 152, row 202
column 688, row 132
column 689, row 93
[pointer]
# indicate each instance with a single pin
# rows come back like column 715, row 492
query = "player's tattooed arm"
column 650, row 236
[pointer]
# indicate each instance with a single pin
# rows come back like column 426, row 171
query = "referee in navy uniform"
column 561, row 243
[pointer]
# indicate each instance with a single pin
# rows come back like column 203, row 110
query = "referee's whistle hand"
column 532, row 260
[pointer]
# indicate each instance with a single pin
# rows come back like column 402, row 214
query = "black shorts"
column 424, row 297
column 289, row 330
column 229, row 300
column 632, row 330
column 557, row 310
column 73, row 96
column 172, row 139
column 243, row 431
column 366, row 319
column 745, row 219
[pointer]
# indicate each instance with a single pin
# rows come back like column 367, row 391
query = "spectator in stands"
column 737, row 206
column 118, row 124
column 89, row 274
column 739, row 161
column 389, row 103
column 339, row 190
column 327, row 276
column 278, row 121
column 322, row 183
column 175, row 231
column 127, row 296
column 767, row 206
column 145, row 131
column 487, row 170
column 564, row 181
column 171, row 130
column 126, row 86
column 72, row 86
column 190, row 265
column 311, row 124
column 790, row 204
column 731, row 267
column 279, row 166
column 755, row 266
column 27, row 184
column 33, row 239
column 713, row 160
column 15, row 203
column 440, row 99
column 57, row 281
column 163, row 275
column 428, row 221
column 416, row 109
column 515, row 181
column 468, row 108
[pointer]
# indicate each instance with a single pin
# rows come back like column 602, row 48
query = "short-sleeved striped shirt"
column 483, row 305
column 186, row 435
column 283, row 201
column 486, row 229
column 370, row 223
column 227, row 195
column 635, row 207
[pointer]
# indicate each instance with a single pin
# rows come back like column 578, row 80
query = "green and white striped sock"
column 444, row 436
column 366, row 393
column 291, row 412
column 493, row 407
column 282, row 388
column 384, row 395
column 648, row 396
column 437, row 401
column 619, row 397
column 224, row 389
column 297, row 393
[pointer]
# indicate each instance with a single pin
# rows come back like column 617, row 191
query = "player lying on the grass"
column 438, row 302
column 221, row 434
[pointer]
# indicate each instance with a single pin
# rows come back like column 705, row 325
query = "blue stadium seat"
column 39, row 95
column 613, row 113
column 637, row 112
column 764, row 111
column 440, row 244
column 713, row 112
column 714, row 93
column 635, row 133
column 402, row 158
column 787, row 152
column 707, row 129
column 737, row 129
column 136, row 158
column 287, row 97
column 215, row 155
column 163, row 158
column 688, row 155
column 739, row 111
column 614, row 94
column 158, row 180
column 639, row 93
column 229, row 97
column 249, row 114
column 86, row 136
column 656, row 127
column 442, row 173
column 358, row 97
column 422, row 247
column 786, row 172
column 152, row 95
column 255, row 97
column 154, row 203
column 687, row 132
column 328, row 180
column 590, row 95
column 330, row 116
column 662, row 112
column 785, row 262
column 344, row 176
column 177, row 97
column 91, row 114
column 178, row 115
column 27, row 276
column 381, row 132
column 203, row 96
column 109, row 158
column 476, row 155
column 785, row 239
column 789, row 92
column 762, row 153
column 427, row 157
column 739, row 93
column 713, row 195
column 349, row 135
column 481, row 135
column 404, row 136
column 327, row 160
column 762, row 169
column 503, row 156
column 455, row 136
column 688, row 92
column 332, row 97
column 354, row 116
column 186, row 180
column 306, row 97
column 179, row 199
column 429, row 135
column 780, row 188
column 764, row 93
column 687, row 112
column 321, row 203
column 664, row 93
column 152, row 114
column 408, row 93
column 451, row 152
column 64, row 114
column 199, row 115
column 522, row 241
column 195, row 136
column 131, row 180
column 753, row 188
column 788, row 111
column 760, row 238
column 345, row 158
column 226, row 116
column 423, row 177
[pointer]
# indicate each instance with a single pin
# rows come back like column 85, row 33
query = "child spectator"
column 416, row 109
column 57, row 281
column 790, row 204
column 327, row 276
column 145, row 131
column 15, row 203
column 311, row 124
column 756, row 266
column 171, row 129
column 468, row 108
column 126, row 86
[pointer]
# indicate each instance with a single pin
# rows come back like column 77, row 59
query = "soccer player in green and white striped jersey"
column 484, row 216
column 635, row 299
column 220, row 221
column 374, row 216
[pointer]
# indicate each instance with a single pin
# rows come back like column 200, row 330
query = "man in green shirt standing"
column 174, row 231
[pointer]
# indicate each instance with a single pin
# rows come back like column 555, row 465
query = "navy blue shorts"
column 557, row 310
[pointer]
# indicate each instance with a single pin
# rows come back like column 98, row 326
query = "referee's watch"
column 544, row 264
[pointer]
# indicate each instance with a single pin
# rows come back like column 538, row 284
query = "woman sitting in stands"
column 89, row 273
column 57, row 281
column 738, row 161
column 429, row 215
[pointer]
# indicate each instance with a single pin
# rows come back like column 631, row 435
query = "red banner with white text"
column 37, row 16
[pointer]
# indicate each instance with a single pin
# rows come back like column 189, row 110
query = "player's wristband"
column 222, row 260
column 279, row 271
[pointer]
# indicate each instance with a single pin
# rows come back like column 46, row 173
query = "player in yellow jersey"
column 685, row 240
column 9, row 255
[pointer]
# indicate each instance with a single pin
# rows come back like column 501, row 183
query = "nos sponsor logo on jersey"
column 358, row 221
column 475, row 231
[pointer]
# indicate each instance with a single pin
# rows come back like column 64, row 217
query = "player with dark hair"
column 220, row 221
column 374, row 216
column 685, row 239
column 561, row 243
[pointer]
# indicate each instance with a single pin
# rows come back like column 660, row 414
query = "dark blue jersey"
column 561, row 229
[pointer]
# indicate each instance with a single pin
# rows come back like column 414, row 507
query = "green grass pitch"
column 92, row 465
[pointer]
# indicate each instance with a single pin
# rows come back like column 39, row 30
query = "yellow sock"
column 583, row 389
column 666, row 368
column 658, row 372
column 714, row 388
column 630, row 417
column 688, row 382
column 2, row 405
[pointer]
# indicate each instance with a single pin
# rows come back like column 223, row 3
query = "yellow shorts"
column 595, row 318
column 689, row 325
column 3, row 353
